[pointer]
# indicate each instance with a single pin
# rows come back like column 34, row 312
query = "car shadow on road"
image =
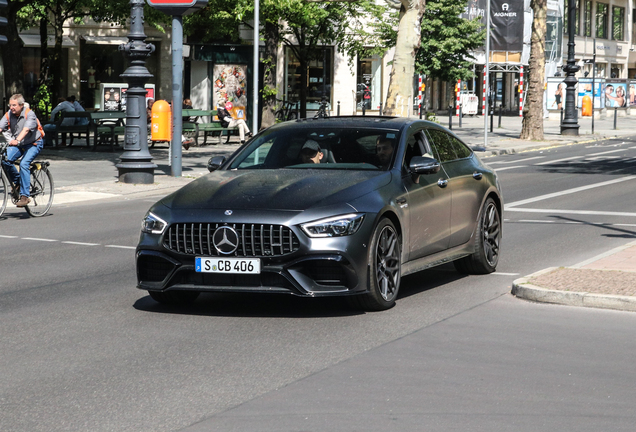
column 620, row 232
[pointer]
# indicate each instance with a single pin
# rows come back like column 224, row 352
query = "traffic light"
column 3, row 22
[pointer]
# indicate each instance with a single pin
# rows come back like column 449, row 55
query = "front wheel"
column 384, row 269
column 487, row 238
column 4, row 191
column 42, row 191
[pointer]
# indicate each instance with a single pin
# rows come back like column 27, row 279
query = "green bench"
column 107, row 126
column 72, row 129
column 209, row 128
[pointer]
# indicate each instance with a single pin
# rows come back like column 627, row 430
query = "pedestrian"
column 23, row 132
column 82, row 121
column 226, row 119
column 49, row 128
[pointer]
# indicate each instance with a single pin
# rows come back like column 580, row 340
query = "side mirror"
column 478, row 148
column 423, row 165
column 215, row 163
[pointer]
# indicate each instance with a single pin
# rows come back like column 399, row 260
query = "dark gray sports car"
column 324, row 207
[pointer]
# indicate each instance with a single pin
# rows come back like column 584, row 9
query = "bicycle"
column 287, row 111
column 323, row 112
column 42, row 189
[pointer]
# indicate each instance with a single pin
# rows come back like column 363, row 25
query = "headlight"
column 334, row 227
column 153, row 224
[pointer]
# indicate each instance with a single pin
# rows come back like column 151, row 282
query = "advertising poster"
column 585, row 89
column 556, row 94
column 230, row 84
column 113, row 96
column 631, row 93
column 506, row 21
column 616, row 94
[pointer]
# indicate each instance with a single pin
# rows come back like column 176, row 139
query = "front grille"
column 151, row 268
column 255, row 240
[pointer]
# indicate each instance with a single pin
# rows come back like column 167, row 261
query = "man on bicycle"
column 22, row 130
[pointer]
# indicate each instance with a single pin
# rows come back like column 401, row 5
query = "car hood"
column 286, row 189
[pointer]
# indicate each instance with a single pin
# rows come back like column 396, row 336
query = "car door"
column 465, row 183
column 429, row 202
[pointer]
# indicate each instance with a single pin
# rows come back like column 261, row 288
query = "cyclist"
column 23, row 131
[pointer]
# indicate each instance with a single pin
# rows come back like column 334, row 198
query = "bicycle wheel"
column 41, row 192
column 4, row 191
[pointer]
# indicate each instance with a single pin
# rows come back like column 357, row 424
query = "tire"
column 174, row 298
column 42, row 191
column 4, row 191
column 487, row 239
column 384, row 269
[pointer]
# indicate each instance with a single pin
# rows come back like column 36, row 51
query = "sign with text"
column 178, row 7
column 506, row 22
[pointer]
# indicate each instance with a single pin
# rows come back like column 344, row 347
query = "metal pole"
column 255, row 60
column 135, row 163
column 570, row 125
column 486, row 70
column 460, row 116
column 593, row 83
column 615, row 115
column 450, row 117
column 338, row 109
column 499, row 124
column 177, row 94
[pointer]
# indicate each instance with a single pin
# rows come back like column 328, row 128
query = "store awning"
column 33, row 40
column 112, row 40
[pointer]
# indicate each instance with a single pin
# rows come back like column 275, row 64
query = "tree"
column 447, row 41
column 12, row 50
column 532, row 124
column 400, row 92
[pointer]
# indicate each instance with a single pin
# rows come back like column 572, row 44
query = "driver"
column 311, row 152
column 384, row 150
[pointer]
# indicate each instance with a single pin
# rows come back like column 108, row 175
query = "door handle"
column 477, row 175
column 400, row 200
column 442, row 183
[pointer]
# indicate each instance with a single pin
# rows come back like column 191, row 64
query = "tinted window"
column 442, row 145
column 414, row 146
column 461, row 150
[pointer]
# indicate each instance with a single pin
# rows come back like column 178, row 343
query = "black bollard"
column 562, row 116
column 492, row 117
column 499, row 125
column 338, row 108
column 615, row 116
column 460, row 116
column 380, row 108
column 450, row 117
column 420, row 111
column 364, row 108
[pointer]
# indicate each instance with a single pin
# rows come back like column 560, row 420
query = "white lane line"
column 504, row 274
column 567, row 192
column 606, row 152
column 516, row 161
column 536, row 221
column 39, row 239
column 6, row 236
column 512, row 167
column 559, row 160
column 81, row 243
column 120, row 247
column 578, row 212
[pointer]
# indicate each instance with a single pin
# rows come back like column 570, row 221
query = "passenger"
column 311, row 152
column 384, row 151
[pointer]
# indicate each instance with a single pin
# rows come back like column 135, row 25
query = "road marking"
column 512, row 167
column 39, row 239
column 559, row 160
column 535, row 221
column 567, row 192
column 516, row 161
column 6, row 236
column 81, row 243
column 579, row 212
column 504, row 274
column 606, row 152
column 120, row 247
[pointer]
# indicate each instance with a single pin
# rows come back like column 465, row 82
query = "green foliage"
column 447, row 41
column 42, row 101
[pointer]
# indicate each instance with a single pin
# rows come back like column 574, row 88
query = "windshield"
column 321, row 148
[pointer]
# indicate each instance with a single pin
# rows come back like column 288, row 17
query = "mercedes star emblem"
column 225, row 240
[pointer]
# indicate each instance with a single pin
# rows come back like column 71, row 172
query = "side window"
column 442, row 145
column 414, row 146
column 460, row 148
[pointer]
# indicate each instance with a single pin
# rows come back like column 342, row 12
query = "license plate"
column 228, row 265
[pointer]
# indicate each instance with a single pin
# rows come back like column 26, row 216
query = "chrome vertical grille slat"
column 256, row 240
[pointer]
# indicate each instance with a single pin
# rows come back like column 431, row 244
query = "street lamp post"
column 136, row 165
column 570, row 125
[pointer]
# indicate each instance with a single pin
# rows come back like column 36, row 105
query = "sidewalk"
column 608, row 281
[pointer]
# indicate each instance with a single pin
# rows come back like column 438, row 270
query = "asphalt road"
column 83, row 349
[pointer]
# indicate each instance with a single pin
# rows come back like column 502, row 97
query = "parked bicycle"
column 287, row 110
column 323, row 111
column 42, row 189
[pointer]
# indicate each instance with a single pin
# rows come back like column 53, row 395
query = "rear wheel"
column 175, row 298
column 41, row 192
column 486, row 256
column 4, row 191
column 384, row 265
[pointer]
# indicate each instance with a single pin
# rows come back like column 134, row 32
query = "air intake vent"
column 254, row 240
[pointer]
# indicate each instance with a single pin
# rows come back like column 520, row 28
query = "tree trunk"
column 12, row 54
column 532, row 126
column 399, row 98
column 269, row 75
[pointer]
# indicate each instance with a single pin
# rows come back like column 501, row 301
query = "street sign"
column 178, row 7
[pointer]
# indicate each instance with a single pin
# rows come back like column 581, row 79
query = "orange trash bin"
column 587, row 106
column 161, row 122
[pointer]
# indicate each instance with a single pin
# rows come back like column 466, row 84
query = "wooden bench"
column 210, row 128
column 74, row 128
column 107, row 126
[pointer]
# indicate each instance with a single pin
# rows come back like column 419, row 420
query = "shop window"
column 553, row 35
column 587, row 19
column 602, row 10
column 567, row 16
column 319, row 77
column 618, row 23
column 369, row 88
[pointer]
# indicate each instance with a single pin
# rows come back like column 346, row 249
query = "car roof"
column 380, row 122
